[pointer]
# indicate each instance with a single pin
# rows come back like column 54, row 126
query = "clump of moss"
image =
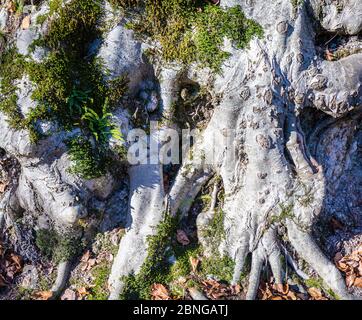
column 182, row 266
column 88, row 162
column 46, row 240
column 319, row 284
column 220, row 267
column 57, row 247
column 70, row 87
column 11, row 69
column 99, row 290
column 191, row 31
column 156, row 267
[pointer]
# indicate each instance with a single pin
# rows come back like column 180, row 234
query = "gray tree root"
column 272, row 182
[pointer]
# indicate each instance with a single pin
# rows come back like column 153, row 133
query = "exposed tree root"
column 63, row 272
column 273, row 186
column 196, row 294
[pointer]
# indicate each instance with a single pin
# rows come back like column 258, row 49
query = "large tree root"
column 146, row 212
column 270, row 180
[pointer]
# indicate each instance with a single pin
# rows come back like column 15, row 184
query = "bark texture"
column 295, row 156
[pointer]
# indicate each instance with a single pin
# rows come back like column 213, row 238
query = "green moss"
column 192, row 31
column 54, row 6
column 156, row 268
column 214, row 231
column 46, row 240
column 221, row 268
column 70, row 87
column 68, row 247
column 297, row 3
column 285, row 213
column 12, row 66
column 318, row 283
column 41, row 18
column 58, row 247
column 88, row 162
column 100, row 291
column 182, row 267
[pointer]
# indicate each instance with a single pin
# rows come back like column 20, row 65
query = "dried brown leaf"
column 69, row 295
column 360, row 268
column 16, row 261
column 25, row 24
column 315, row 293
column 194, row 263
column 350, row 278
column 82, row 291
column 358, row 282
column 282, row 288
column 85, row 256
column 159, row 292
column 43, row 295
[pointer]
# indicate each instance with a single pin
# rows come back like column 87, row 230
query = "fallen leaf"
column 83, row 291
column 350, row 278
column 292, row 296
column 25, row 24
column 281, row 288
column 3, row 186
column 17, row 261
column 336, row 224
column 68, row 295
column 338, row 257
column 11, row 6
column 182, row 238
column 359, row 267
column 159, row 292
column 85, row 257
column 194, row 263
column 329, row 55
column 358, row 282
column 88, row 265
column 359, row 249
column 315, row 292
column 236, row 289
column 43, row 295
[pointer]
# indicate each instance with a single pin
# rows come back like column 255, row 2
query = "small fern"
column 101, row 127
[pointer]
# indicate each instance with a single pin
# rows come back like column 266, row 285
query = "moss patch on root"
column 156, row 268
column 57, row 247
column 190, row 31
column 69, row 84
column 168, row 261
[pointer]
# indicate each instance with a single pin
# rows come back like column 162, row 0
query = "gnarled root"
column 63, row 272
column 146, row 212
